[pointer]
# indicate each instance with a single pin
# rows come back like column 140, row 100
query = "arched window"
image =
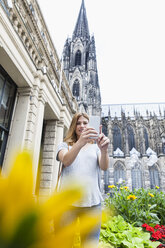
column 154, row 176
column 117, row 141
column 78, row 58
column 76, row 89
column 86, row 60
column 105, row 129
column 119, row 172
column 146, row 138
column 136, row 177
column 131, row 138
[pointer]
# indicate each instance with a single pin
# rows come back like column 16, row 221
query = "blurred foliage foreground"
column 26, row 222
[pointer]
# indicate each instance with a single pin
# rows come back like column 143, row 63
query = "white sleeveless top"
column 85, row 170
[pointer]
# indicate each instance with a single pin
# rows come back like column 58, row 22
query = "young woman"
column 83, row 153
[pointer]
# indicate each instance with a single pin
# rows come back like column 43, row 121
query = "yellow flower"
column 131, row 197
column 111, row 186
column 157, row 187
column 121, row 188
column 16, row 193
column 27, row 222
column 150, row 194
column 125, row 187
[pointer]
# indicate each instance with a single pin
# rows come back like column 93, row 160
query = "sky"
column 130, row 44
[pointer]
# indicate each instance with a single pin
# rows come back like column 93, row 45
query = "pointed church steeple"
column 80, row 66
column 81, row 28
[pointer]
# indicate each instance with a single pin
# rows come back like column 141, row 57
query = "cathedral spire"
column 81, row 28
column 80, row 66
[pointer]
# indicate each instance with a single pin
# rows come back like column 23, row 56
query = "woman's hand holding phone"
column 102, row 141
column 88, row 134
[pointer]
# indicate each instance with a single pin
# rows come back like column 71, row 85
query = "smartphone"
column 94, row 121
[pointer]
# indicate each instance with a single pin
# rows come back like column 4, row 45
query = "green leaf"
column 130, row 237
column 153, row 206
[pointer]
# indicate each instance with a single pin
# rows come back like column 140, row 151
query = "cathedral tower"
column 80, row 66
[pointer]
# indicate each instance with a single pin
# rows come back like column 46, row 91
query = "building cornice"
column 28, row 22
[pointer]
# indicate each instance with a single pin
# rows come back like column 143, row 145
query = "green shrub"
column 139, row 206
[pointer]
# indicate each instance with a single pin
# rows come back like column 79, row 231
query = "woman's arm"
column 104, row 160
column 103, row 143
column 68, row 156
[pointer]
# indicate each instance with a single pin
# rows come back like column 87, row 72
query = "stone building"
column 37, row 102
column 35, row 111
column 80, row 66
column 137, row 144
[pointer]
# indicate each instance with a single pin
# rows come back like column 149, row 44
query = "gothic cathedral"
column 136, row 132
column 80, row 66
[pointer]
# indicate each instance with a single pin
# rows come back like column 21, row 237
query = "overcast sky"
column 130, row 44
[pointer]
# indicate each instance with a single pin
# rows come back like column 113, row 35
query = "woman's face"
column 82, row 123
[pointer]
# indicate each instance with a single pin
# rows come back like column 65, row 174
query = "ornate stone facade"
column 137, row 147
column 35, row 108
column 80, row 66
column 136, row 132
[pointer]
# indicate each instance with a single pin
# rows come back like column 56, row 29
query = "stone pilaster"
column 146, row 174
column 36, row 141
column 34, row 125
column 146, row 179
column 111, row 171
column 48, row 157
column 162, row 173
column 142, row 140
column 129, row 178
column 162, row 183
column 32, row 116
column 59, row 139
column 110, row 136
column 126, row 145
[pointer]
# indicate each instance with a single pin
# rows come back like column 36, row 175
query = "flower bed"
column 136, row 208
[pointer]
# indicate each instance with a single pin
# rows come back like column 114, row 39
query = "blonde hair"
column 71, row 136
